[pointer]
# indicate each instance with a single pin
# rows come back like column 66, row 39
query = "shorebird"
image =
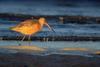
column 30, row 27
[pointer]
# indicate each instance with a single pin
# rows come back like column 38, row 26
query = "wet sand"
column 54, row 60
column 24, row 58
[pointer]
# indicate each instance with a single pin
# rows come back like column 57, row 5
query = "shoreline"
column 54, row 38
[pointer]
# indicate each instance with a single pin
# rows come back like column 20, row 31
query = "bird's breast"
column 29, row 30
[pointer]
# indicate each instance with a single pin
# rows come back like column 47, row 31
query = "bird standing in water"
column 30, row 27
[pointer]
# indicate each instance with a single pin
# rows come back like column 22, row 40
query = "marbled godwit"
column 30, row 27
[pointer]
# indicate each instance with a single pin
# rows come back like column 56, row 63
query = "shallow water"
column 67, row 29
column 57, row 44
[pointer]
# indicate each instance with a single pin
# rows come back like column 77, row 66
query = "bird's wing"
column 25, row 23
column 20, row 25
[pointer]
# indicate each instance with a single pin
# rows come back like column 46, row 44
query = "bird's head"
column 43, row 21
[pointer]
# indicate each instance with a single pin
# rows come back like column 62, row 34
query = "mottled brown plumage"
column 29, row 27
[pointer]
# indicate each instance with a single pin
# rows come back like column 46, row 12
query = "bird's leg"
column 29, row 39
column 22, row 40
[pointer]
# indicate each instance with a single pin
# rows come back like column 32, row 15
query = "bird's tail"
column 11, row 28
